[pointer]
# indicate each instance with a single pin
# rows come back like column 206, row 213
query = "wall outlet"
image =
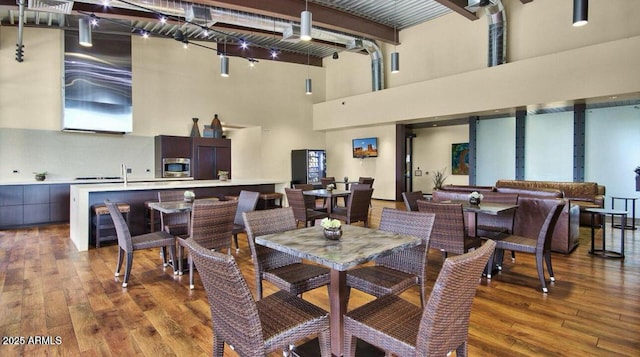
column 128, row 170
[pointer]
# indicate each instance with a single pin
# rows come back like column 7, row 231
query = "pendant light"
column 307, row 82
column 84, row 30
column 580, row 12
column 224, row 61
column 395, row 56
column 305, row 23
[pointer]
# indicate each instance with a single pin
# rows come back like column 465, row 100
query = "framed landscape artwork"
column 460, row 159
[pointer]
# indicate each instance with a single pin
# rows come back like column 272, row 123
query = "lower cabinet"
column 27, row 205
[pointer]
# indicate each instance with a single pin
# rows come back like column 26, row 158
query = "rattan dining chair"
column 254, row 328
column 404, row 329
column 449, row 234
column 247, row 201
column 211, row 227
column 127, row 244
column 411, row 200
column 301, row 211
column 395, row 273
column 285, row 271
column 366, row 180
column 540, row 245
column 311, row 201
column 357, row 208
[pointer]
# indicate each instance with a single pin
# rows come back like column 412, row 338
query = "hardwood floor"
column 73, row 302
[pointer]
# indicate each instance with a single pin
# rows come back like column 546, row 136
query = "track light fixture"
column 580, row 12
column 84, row 30
column 305, row 23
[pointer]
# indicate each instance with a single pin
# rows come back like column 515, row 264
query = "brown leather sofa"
column 566, row 233
column 583, row 194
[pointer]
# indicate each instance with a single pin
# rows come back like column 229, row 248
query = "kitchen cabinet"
column 210, row 155
column 167, row 146
column 37, row 204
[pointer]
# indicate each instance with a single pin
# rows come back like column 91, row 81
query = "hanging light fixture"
column 84, row 30
column 305, row 23
column 224, row 61
column 580, row 12
column 307, row 82
column 395, row 56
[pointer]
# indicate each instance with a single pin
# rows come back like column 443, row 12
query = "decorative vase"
column 474, row 201
column 195, row 131
column 216, row 126
column 332, row 233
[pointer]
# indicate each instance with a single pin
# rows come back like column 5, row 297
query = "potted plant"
column 223, row 175
column 439, row 177
column 332, row 228
column 40, row 176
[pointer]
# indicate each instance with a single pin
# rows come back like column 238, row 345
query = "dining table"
column 357, row 245
column 472, row 210
column 331, row 195
column 172, row 207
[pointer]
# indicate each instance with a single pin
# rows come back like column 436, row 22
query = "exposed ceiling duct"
column 57, row 6
column 377, row 65
column 497, row 19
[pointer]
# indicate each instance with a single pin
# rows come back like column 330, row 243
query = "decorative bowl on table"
column 189, row 196
column 331, row 228
column 475, row 198
column 332, row 233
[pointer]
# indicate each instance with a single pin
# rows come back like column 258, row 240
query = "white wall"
column 171, row 85
column 432, row 151
column 340, row 161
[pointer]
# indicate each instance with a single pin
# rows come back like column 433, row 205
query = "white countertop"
column 160, row 185
column 80, row 220
column 92, row 181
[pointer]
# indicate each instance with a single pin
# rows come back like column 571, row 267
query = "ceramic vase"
column 195, row 130
column 216, row 126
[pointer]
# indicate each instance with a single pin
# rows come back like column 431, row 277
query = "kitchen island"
column 82, row 197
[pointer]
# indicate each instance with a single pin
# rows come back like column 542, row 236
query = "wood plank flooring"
column 74, row 304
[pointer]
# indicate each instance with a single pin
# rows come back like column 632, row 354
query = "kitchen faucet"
column 124, row 173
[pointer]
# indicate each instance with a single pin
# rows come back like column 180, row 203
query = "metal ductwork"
column 497, row 34
column 377, row 65
column 497, row 28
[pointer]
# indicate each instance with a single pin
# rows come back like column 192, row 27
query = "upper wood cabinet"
column 208, row 155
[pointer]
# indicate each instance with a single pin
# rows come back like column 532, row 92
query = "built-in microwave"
column 176, row 167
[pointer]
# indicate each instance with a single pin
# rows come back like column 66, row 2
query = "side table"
column 603, row 212
column 631, row 226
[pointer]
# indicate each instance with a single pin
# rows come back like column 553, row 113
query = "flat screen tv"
column 365, row 147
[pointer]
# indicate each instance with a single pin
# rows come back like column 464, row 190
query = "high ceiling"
column 266, row 26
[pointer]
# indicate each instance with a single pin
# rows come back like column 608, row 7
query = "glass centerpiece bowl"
column 331, row 228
